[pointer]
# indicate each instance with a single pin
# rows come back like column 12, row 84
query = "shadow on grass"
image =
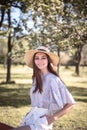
column 17, row 76
column 15, row 96
column 79, row 93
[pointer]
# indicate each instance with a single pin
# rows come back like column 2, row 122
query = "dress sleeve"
column 60, row 93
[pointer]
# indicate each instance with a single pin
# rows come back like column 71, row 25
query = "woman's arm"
column 57, row 115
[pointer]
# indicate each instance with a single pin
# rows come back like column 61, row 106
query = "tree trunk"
column 8, row 78
column 58, row 52
column 77, row 69
column 2, row 16
column 78, row 58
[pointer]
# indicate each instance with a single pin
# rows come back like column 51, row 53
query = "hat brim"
column 29, row 57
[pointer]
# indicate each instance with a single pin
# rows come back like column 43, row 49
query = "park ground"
column 15, row 100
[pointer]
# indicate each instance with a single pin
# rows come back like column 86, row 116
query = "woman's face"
column 41, row 61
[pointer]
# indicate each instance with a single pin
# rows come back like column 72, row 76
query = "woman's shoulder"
column 55, row 80
column 52, row 76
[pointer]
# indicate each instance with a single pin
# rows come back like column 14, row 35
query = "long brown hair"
column 37, row 73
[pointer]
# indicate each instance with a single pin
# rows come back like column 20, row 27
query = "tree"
column 59, row 25
column 9, row 27
column 12, row 27
column 48, row 28
column 77, row 19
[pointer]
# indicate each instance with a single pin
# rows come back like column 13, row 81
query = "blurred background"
column 61, row 25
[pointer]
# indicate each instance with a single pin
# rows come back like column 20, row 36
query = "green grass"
column 15, row 100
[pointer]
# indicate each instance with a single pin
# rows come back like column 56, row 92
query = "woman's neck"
column 44, row 72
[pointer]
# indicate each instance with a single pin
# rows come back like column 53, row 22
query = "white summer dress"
column 53, row 98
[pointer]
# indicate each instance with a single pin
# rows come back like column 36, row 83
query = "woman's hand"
column 57, row 115
column 50, row 119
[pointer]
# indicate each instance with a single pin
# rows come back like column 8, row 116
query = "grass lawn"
column 15, row 100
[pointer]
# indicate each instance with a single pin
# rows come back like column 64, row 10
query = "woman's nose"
column 40, row 60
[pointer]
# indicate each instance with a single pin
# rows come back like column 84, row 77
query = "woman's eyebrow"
column 44, row 56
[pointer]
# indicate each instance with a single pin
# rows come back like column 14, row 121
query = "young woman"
column 50, row 98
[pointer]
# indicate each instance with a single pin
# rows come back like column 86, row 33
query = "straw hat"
column 29, row 56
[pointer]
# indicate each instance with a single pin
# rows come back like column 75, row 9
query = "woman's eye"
column 36, row 58
column 44, row 58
